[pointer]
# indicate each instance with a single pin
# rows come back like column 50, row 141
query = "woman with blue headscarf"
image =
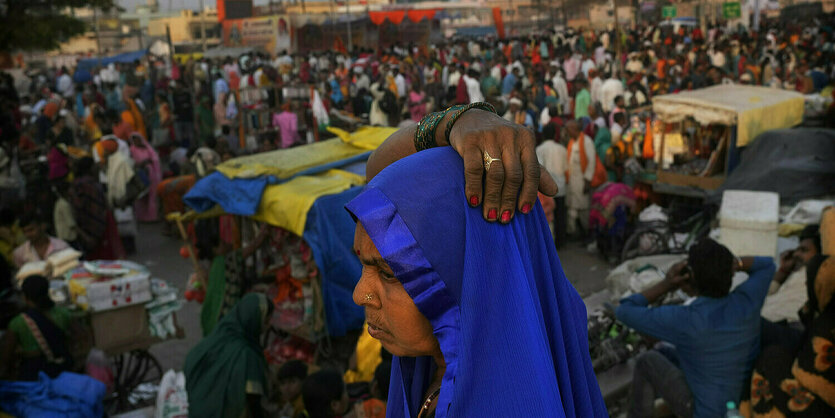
column 479, row 316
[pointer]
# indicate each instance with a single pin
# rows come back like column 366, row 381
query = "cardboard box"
column 103, row 294
column 120, row 330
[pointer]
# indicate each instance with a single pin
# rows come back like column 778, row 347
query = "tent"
column 127, row 57
column 753, row 110
column 795, row 163
column 303, row 190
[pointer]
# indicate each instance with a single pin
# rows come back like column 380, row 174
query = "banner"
column 270, row 33
column 395, row 16
column 731, row 10
column 497, row 17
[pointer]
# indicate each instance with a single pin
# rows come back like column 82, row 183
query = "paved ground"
column 161, row 254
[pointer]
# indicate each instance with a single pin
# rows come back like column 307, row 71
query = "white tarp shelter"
column 751, row 109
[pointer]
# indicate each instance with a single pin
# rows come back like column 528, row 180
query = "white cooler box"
column 748, row 222
column 115, row 293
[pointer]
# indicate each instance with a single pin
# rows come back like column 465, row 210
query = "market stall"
column 118, row 308
column 701, row 131
column 306, row 266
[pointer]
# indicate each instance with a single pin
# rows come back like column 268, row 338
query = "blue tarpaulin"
column 329, row 230
column 127, row 57
column 235, row 196
column 330, row 233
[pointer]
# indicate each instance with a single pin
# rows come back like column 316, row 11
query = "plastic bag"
column 69, row 395
column 172, row 398
column 98, row 367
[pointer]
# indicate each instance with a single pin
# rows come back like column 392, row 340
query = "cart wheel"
column 130, row 370
column 643, row 243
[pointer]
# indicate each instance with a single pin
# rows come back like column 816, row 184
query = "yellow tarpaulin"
column 286, row 205
column 366, row 137
column 752, row 109
column 285, row 163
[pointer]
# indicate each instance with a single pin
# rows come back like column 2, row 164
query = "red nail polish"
column 526, row 208
column 506, row 216
column 491, row 215
column 474, row 201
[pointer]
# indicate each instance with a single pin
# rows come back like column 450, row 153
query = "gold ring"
column 488, row 160
column 369, row 296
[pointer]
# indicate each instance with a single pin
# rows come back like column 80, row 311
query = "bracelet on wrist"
column 425, row 132
column 463, row 109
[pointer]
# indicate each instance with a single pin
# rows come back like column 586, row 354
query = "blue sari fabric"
column 512, row 329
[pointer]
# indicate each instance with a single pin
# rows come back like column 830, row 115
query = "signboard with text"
column 270, row 33
column 668, row 12
column 731, row 10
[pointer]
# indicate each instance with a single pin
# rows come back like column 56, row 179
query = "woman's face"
column 392, row 316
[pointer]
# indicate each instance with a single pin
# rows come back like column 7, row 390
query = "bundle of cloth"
column 63, row 261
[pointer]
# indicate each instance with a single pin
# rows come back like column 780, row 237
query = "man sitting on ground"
column 780, row 321
column 716, row 337
column 38, row 245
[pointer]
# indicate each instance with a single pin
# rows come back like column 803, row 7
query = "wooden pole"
column 96, row 28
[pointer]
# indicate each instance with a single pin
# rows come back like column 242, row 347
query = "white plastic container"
column 748, row 222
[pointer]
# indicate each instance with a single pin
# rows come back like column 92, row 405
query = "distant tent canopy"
column 127, row 57
column 397, row 16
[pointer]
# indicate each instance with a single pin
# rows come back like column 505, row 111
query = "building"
column 111, row 28
column 187, row 27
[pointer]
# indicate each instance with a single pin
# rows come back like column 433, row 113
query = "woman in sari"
column 803, row 383
column 133, row 110
column 417, row 103
column 37, row 338
column 95, row 224
column 146, row 162
column 205, row 120
column 226, row 276
column 480, row 317
column 225, row 372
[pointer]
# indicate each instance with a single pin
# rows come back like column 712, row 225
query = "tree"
column 42, row 24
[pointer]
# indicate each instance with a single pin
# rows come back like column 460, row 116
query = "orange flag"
column 649, row 149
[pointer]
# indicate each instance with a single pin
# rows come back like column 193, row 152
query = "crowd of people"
column 86, row 153
column 171, row 122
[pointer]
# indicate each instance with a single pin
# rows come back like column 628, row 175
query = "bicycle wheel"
column 642, row 243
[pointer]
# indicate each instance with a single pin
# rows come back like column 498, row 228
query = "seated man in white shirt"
column 38, row 245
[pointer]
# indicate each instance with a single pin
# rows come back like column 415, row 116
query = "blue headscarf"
column 512, row 329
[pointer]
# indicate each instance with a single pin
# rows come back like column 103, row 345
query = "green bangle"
column 427, row 128
column 461, row 110
column 425, row 133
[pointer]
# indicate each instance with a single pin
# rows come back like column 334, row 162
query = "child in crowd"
column 324, row 395
column 291, row 375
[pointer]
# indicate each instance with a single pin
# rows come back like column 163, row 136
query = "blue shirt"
column 220, row 86
column 717, row 340
column 508, row 84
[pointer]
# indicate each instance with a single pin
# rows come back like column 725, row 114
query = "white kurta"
column 576, row 198
column 552, row 156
